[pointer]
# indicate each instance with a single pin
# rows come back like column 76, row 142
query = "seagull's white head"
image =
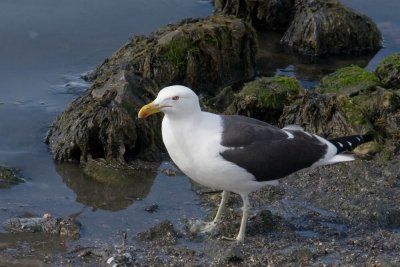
column 174, row 101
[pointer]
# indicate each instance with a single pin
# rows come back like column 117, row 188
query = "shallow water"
column 273, row 60
column 47, row 45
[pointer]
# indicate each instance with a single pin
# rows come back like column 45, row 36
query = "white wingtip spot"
column 349, row 143
column 340, row 144
column 290, row 135
column 358, row 139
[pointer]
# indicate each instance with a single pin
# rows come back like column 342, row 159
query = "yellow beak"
column 148, row 109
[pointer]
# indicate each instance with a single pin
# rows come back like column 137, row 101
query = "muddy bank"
column 346, row 214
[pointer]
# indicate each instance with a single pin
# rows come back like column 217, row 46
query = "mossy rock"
column 349, row 81
column 376, row 111
column 266, row 97
column 204, row 54
column 326, row 27
column 317, row 113
column 388, row 71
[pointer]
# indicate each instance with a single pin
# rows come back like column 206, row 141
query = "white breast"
column 194, row 146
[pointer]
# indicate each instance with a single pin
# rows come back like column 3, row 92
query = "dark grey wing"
column 240, row 131
column 266, row 151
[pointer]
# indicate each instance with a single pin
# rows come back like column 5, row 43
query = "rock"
column 205, row 54
column 67, row 227
column 151, row 208
column 349, row 81
column 351, row 102
column 376, row 111
column 265, row 98
column 221, row 101
column 367, row 150
column 162, row 234
column 317, row 113
column 9, row 177
column 388, row 71
column 266, row 14
column 323, row 27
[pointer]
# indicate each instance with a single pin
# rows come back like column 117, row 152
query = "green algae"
column 273, row 92
column 388, row 71
column 176, row 51
column 348, row 80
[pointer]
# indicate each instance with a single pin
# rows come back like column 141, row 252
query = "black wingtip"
column 347, row 143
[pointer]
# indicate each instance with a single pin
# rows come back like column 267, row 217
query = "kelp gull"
column 236, row 153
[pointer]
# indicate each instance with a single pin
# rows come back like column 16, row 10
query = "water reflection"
column 273, row 59
column 114, row 191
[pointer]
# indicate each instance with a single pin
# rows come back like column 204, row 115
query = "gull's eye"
column 175, row 97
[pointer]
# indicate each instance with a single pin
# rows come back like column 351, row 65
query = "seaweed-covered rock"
column 349, row 80
column 376, row 111
column 351, row 102
column 366, row 106
column 322, row 27
column 266, row 97
column 67, row 227
column 205, row 54
column 388, row 71
column 266, row 14
column 9, row 177
column 317, row 113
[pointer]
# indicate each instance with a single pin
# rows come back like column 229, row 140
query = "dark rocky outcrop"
column 322, row 27
column 204, row 54
column 388, row 71
column 265, row 98
column 348, row 101
column 310, row 27
column 273, row 15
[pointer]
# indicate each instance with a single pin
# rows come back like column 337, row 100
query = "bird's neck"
column 184, row 117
